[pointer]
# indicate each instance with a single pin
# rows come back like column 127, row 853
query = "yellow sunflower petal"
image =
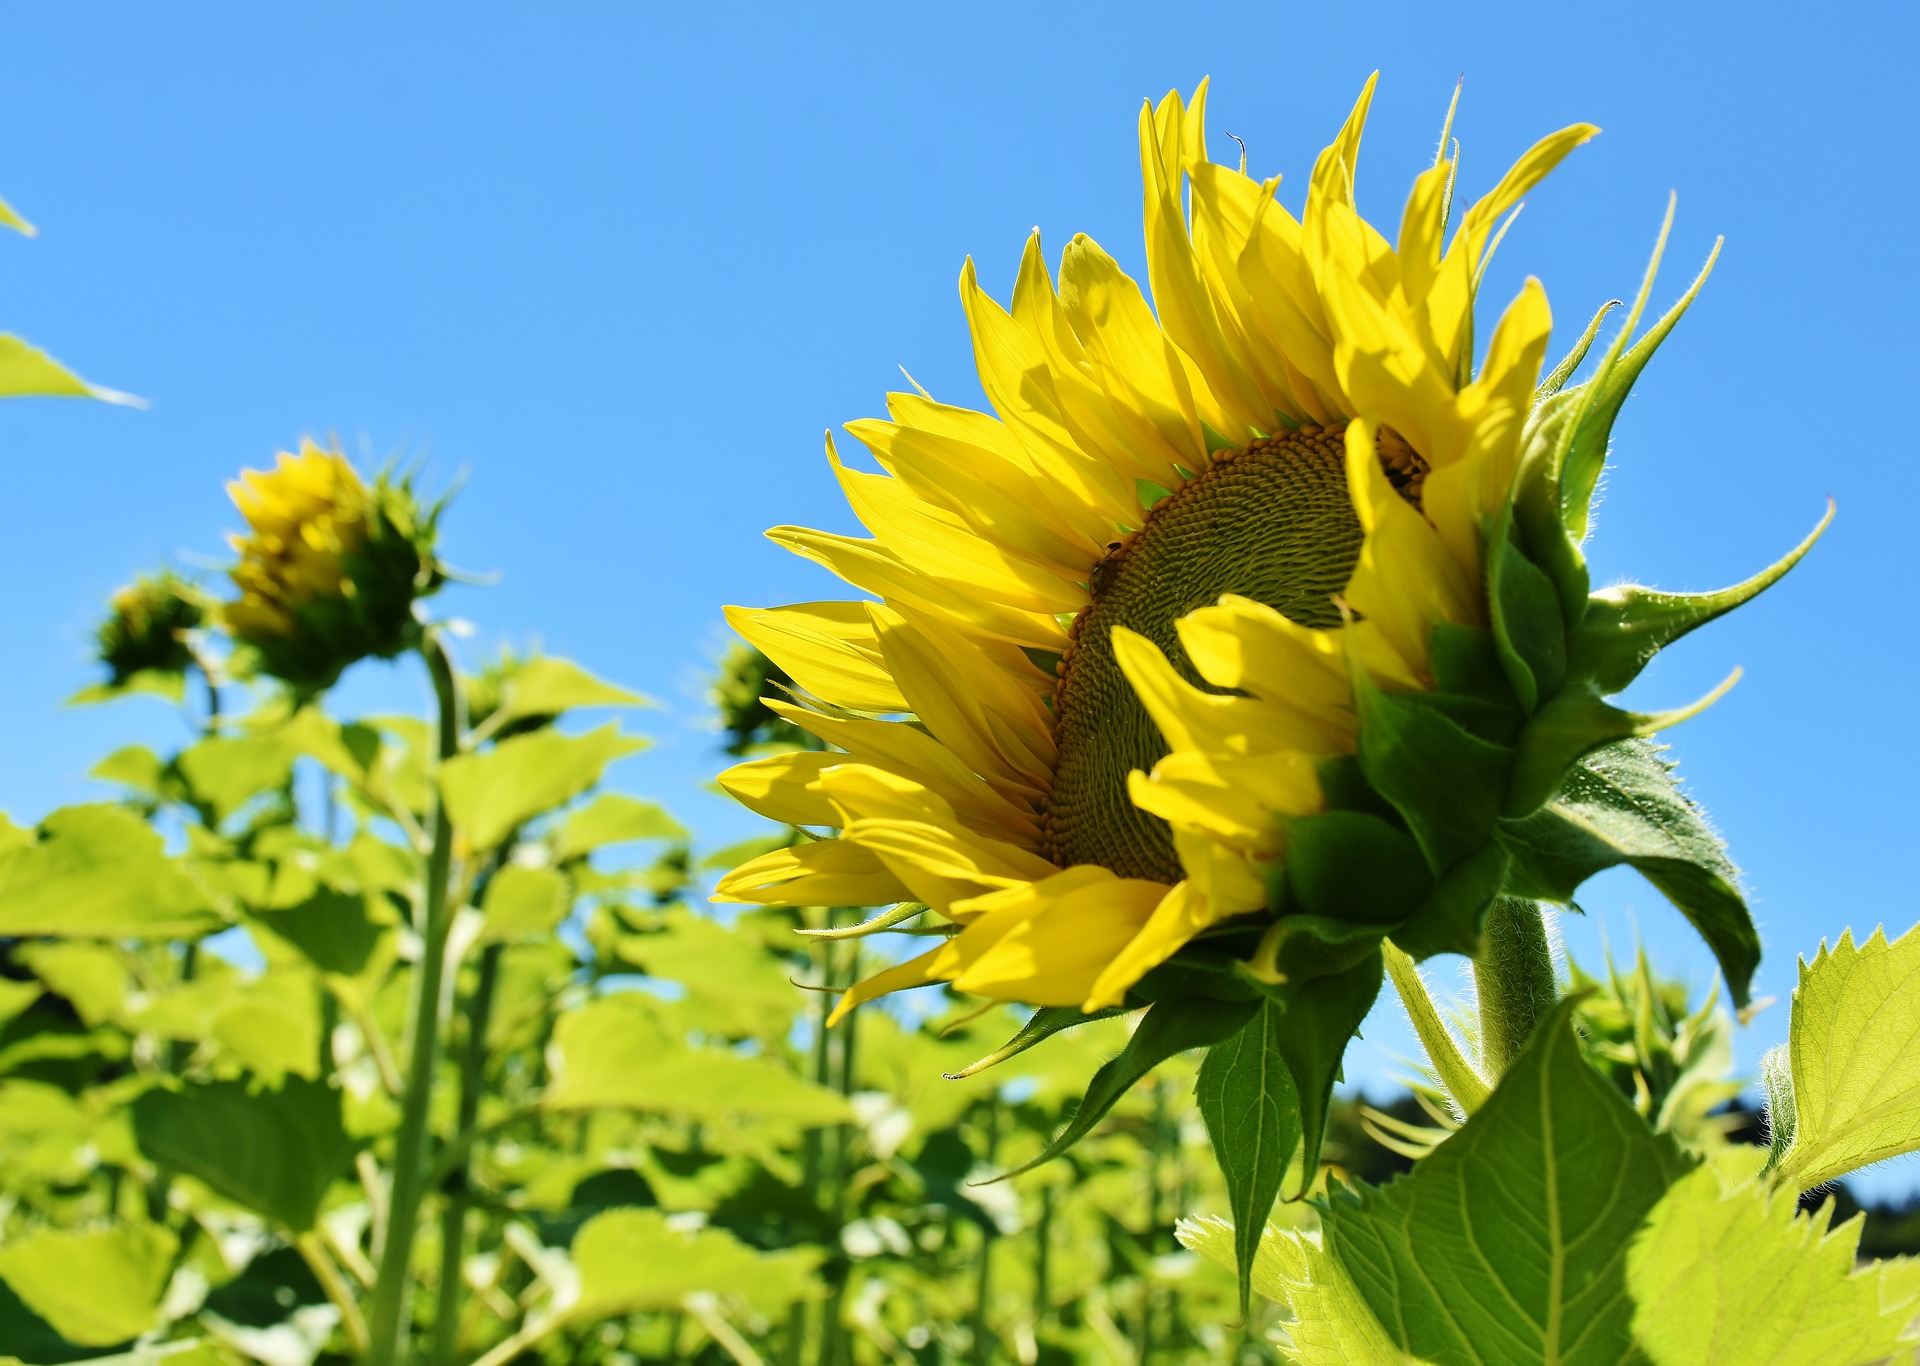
column 1050, row 941
column 818, row 873
column 828, row 648
column 915, row 972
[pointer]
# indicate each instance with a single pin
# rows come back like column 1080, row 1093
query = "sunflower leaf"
column 1322, row 1015
column 1854, row 1051
column 1508, row 1244
column 95, row 1288
column 1622, row 804
column 99, row 872
column 1168, row 1027
column 1734, row 1275
column 490, row 794
column 1252, row 1112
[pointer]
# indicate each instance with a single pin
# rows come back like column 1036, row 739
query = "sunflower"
column 329, row 567
column 1135, row 468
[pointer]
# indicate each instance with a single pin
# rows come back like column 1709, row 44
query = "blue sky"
column 621, row 266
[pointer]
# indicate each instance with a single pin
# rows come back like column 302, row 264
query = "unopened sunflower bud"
column 329, row 568
column 146, row 630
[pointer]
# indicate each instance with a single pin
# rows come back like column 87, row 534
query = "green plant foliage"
column 273, row 1151
column 632, row 1259
column 1247, row 1097
column 1854, row 1059
column 523, row 903
column 1508, row 1244
column 94, row 1288
column 1725, row 1272
column 99, row 872
column 492, row 794
column 613, row 818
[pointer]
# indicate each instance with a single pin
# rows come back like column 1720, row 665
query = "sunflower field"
column 1237, row 667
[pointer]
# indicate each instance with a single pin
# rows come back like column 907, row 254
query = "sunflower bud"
column 329, row 569
column 146, row 630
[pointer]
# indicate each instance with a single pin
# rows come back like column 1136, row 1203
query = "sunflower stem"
column 388, row 1324
column 1513, row 977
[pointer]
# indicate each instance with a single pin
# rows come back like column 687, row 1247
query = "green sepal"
column 1466, row 661
column 1557, row 378
column 1296, row 947
column 1535, row 502
column 1449, row 917
column 1352, row 867
column 1446, row 783
column 1200, row 969
column 1626, row 626
column 1776, row 1078
column 1529, row 629
column 1247, row 1097
column 1169, row 1027
column 1322, row 1015
column 1585, row 452
column 1574, row 723
column 1622, row 805
column 1042, row 1025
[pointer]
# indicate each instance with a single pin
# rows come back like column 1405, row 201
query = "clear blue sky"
column 622, row 265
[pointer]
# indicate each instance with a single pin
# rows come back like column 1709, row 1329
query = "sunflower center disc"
column 1273, row 523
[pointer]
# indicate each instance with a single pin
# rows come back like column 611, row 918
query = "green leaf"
column 1622, row 804
column 1166, row 1028
column 1528, row 628
column 613, row 1054
column 547, row 686
column 1252, row 1112
column 227, row 771
column 1348, row 865
column 633, row 1259
column 16, row 997
column 91, row 977
column 98, row 872
column 490, row 795
column 1508, row 1245
column 1450, row 917
column 1734, row 1276
column 337, row 931
column 523, row 903
column 1218, row 1241
column 275, row 1152
column 96, row 1288
column 28, row 372
column 1446, row 783
column 743, row 989
column 136, row 767
column 1321, row 1017
column 613, row 818
column 1854, row 1045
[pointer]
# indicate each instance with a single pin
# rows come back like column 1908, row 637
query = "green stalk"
column 388, row 1324
column 1513, row 977
column 983, row 1342
column 453, row 1211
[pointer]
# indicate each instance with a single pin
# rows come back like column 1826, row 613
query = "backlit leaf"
column 99, row 872
column 1252, row 1112
column 95, row 1288
column 632, row 1259
column 522, row 903
column 491, row 794
column 1854, row 1046
column 546, row 686
column 613, row 818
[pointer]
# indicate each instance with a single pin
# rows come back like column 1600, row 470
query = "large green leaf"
column 523, row 903
column 225, row 772
column 275, row 1152
column 614, row 1054
column 98, row 872
column 1622, row 804
column 1726, row 1277
column 491, row 794
column 1854, row 1051
column 614, row 818
column 547, row 685
column 1252, row 1112
column 95, row 1288
column 633, row 1259
column 739, row 988
column 1507, row 1246
column 337, row 931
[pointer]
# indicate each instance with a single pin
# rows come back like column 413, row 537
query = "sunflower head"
column 146, row 627
column 329, row 567
column 1250, row 629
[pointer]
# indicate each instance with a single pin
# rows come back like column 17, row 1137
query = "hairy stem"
column 1513, row 977
column 388, row 1323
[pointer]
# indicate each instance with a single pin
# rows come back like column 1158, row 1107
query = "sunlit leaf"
column 1252, row 1112
column 612, row 818
column 337, row 931
column 274, row 1151
column 1507, row 1245
column 91, row 977
column 95, row 1288
column 613, row 1054
column 632, row 1259
column 522, row 903
column 489, row 795
column 28, row 372
column 99, row 872
column 1726, row 1276
column 745, row 989
column 1854, row 1048
column 227, row 771
column 546, row 686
